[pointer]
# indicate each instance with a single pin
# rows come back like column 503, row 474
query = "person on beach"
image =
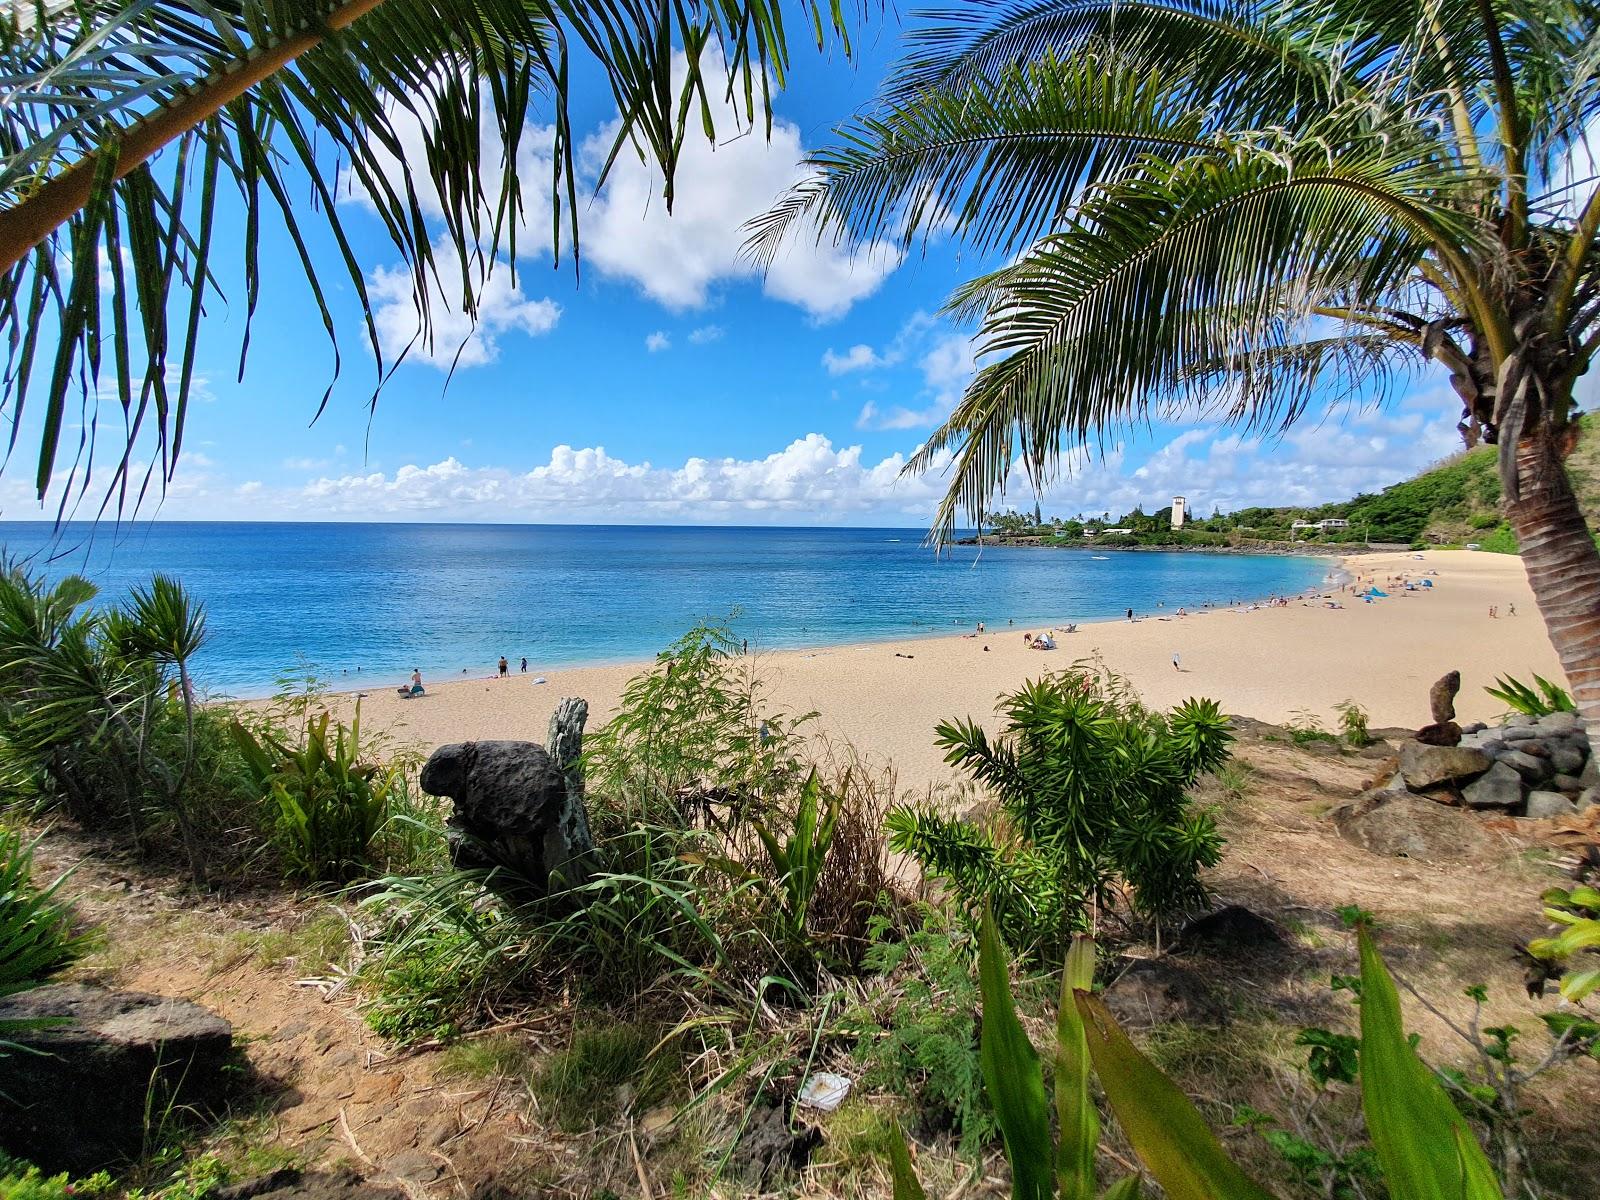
column 524, row 665
column 505, row 667
column 416, row 684
column 1511, row 610
column 1130, row 614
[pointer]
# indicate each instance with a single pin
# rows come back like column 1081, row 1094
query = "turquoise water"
column 386, row 598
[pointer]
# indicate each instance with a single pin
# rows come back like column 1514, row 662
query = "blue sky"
column 670, row 383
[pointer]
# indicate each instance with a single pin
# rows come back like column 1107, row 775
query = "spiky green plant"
column 1519, row 697
column 1094, row 787
column 37, row 935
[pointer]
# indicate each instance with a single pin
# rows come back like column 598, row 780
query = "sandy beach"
column 1266, row 662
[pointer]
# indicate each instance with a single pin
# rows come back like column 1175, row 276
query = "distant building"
column 1333, row 523
column 1179, row 511
column 1119, row 529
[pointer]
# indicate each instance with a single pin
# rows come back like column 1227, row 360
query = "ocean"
column 380, row 599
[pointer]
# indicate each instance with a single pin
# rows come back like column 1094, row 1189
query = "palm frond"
column 122, row 123
column 1160, row 286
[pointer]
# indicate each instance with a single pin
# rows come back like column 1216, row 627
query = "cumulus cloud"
column 456, row 340
column 680, row 258
column 811, row 478
column 706, row 334
column 657, row 342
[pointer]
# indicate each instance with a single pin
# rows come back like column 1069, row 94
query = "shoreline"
column 351, row 682
column 1270, row 663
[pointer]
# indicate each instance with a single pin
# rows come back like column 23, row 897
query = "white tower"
column 1179, row 511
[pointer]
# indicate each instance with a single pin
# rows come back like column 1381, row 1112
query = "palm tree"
column 1253, row 209
column 122, row 123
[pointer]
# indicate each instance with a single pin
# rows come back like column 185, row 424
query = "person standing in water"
column 504, row 666
column 1130, row 614
column 524, row 664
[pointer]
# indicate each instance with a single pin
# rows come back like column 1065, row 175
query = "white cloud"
column 657, row 342
column 897, row 417
column 706, row 334
column 680, row 258
column 857, row 358
column 808, row 479
column 456, row 340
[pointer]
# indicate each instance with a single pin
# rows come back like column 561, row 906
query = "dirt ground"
column 333, row 1093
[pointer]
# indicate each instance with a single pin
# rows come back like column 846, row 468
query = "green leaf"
column 906, row 1184
column 1011, row 1075
column 1423, row 1143
column 1075, row 1112
column 1165, row 1130
column 1126, row 1188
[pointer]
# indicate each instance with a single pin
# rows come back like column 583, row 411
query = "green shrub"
column 918, row 1035
column 98, row 717
column 445, row 948
column 331, row 804
column 21, row 1180
column 1094, row 788
column 36, row 930
column 692, row 736
column 1353, row 723
column 1500, row 540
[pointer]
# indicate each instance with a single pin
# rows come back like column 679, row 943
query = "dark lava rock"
column 1232, row 927
column 518, row 806
column 75, row 1096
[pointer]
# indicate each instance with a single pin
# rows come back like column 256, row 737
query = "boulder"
column 1425, row 766
column 1588, row 798
column 1533, row 770
column 1549, row 804
column 1559, row 721
column 1590, row 775
column 1397, row 825
column 73, row 1096
column 518, row 806
column 1474, row 727
column 1570, row 784
column 1498, row 787
column 1517, row 720
column 1519, row 733
column 1566, row 758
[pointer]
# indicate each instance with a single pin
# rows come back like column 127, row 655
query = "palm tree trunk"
column 1563, row 566
column 42, row 211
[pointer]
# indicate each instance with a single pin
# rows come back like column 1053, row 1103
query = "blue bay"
column 386, row 597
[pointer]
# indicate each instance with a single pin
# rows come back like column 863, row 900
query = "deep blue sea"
column 386, row 598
